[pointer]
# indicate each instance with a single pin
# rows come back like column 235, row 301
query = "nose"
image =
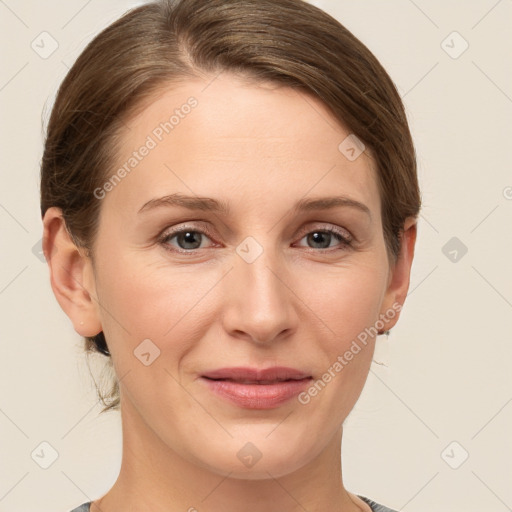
column 260, row 305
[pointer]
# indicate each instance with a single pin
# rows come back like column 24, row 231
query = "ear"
column 71, row 275
column 399, row 278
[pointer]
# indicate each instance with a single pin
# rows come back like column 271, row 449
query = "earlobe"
column 71, row 275
column 399, row 279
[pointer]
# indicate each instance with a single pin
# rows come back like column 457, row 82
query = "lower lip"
column 257, row 396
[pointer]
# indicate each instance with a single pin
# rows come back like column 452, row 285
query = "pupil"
column 317, row 238
column 188, row 238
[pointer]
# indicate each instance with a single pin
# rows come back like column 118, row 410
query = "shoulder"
column 376, row 507
column 84, row 507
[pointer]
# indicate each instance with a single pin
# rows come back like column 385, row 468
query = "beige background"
column 448, row 374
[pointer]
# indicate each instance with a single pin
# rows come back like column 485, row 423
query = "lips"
column 246, row 375
column 253, row 388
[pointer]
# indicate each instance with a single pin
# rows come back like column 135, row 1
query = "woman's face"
column 257, row 282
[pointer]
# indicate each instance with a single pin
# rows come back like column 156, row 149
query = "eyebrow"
column 221, row 207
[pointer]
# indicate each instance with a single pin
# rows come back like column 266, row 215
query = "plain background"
column 431, row 431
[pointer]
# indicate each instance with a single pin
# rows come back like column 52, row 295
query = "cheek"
column 143, row 300
column 347, row 300
column 342, row 303
column 348, row 306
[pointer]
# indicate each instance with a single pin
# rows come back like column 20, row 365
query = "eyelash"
column 345, row 243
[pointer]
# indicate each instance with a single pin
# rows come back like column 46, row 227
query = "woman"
column 229, row 198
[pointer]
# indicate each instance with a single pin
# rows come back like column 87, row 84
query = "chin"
column 246, row 460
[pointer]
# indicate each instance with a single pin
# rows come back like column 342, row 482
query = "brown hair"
column 288, row 42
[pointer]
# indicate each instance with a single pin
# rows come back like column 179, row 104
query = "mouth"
column 257, row 382
column 248, row 375
column 256, row 389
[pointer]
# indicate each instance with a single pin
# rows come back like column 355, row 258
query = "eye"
column 322, row 238
column 187, row 239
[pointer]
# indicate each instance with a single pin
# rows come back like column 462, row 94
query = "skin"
column 260, row 148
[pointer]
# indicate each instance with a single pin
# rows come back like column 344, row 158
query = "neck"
column 155, row 477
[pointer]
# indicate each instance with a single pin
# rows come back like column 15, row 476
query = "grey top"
column 85, row 507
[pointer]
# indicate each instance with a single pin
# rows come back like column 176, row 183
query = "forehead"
column 228, row 135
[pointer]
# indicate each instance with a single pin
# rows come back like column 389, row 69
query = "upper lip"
column 256, row 374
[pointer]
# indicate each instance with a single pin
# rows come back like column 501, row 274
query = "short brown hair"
column 288, row 42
